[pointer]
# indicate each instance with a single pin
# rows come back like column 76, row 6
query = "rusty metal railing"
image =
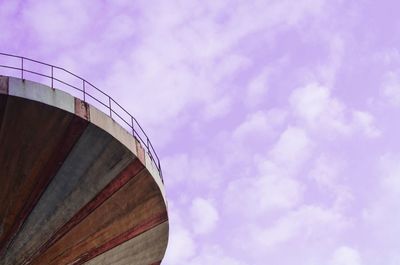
column 21, row 69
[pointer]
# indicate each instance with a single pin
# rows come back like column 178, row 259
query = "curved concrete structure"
column 76, row 188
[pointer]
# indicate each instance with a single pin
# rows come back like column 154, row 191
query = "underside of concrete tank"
column 75, row 187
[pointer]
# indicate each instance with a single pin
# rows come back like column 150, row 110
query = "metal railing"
column 21, row 68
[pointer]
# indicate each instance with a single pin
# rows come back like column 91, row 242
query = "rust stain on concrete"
column 140, row 152
column 4, row 85
column 82, row 109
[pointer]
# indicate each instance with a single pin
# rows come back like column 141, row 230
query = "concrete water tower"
column 80, row 181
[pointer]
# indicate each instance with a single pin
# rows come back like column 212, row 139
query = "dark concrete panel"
column 136, row 204
column 29, row 138
column 94, row 161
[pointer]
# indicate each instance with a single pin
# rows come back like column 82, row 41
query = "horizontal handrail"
column 140, row 134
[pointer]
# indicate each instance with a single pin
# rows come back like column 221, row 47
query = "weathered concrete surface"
column 101, row 120
column 157, row 237
column 73, row 189
column 135, row 204
column 41, row 93
column 94, row 161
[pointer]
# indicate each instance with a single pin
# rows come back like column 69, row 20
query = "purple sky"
column 277, row 121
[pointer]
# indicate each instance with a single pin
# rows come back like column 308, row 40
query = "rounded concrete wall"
column 76, row 187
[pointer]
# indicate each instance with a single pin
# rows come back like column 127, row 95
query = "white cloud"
column 364, row 121
column 204, row 216
column 7, row 11
column 175, row 169
column 259, row 124
column 391, row 87
column 389, row 165
column 324, row 113
column 274, row 186
column 190, row 169
column 197, row 54
column 205, row 169
column 229, row 64
column 257, row 89
column 328, row 174
column 181, row 245
column 270, row 190
column 337, row 51
column 214, row 255
column 119, row 28
column 58, row 22
column 181, row 242
column 382, row 216
column 388, row 56
column 314, row 104
column 345, row 255
column 218, row 108
column 292, row 148
column 306, row 224
column 325, row 171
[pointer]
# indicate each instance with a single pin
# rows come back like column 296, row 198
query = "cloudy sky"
column 277, row 121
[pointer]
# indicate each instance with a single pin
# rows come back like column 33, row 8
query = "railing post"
column 22, row 67
column 133, row 128
column 84, row 91
column 159, row 170
column 109, row 103
column 52, row 77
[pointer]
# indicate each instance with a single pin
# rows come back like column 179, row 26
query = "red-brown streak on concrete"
column 127, row 174
column 72, row 134
column 43, row 164
column 135, row 231
column 133, row 204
